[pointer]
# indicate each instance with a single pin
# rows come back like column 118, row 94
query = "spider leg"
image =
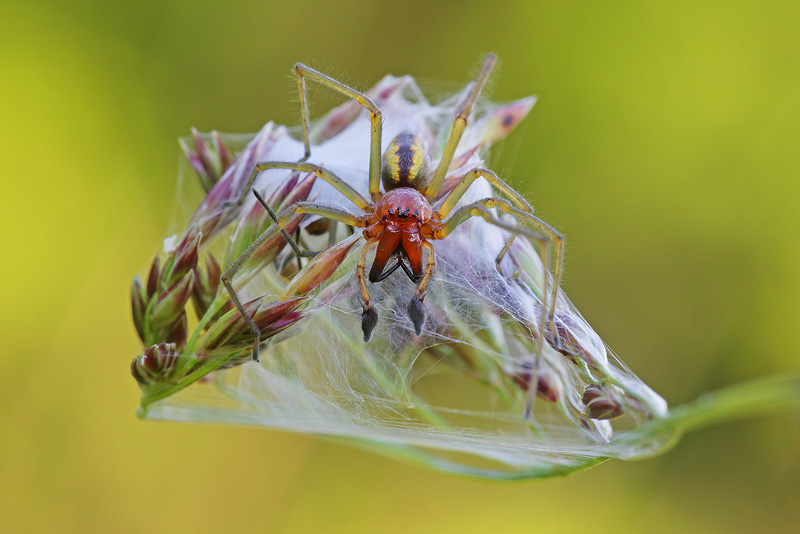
column 375, row 118
column 547, row 238
column 555, row 238
column 482, row 208
column 416, row 311
column 551, row 233
column 292, row 243
column 459, row 125
column 343, row 187
column 370, row 317
column 462, row 186
column 283, row 219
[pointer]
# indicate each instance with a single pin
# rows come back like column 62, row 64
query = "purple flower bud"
column 203, row 155
column 172, row 300
column 152, row 278
column 499, row 122
column 548, row 386
column 194, row 160
column 185, row 257
column 229, row 187
column 206, row 285
column 231, row 330
column 155, row 364
column 237, row 334
column 321, row 267
column 208, row 162
column 267, row 317
column 282, row 324
column 225, row 157
column 299, row 192
column 229, row 325
column 601, row 402
column 280, row 194
column 269, row 250
column 576, row 340
column 342, row 116
column 138, row 306
column 178, row 331
column 257, row 220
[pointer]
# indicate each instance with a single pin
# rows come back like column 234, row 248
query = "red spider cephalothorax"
column 401, row 221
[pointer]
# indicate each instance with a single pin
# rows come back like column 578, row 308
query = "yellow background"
column 664, row 146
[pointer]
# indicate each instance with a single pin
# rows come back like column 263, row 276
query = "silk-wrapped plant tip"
column 476, row 366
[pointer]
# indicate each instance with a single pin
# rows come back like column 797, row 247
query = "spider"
column 401, row 221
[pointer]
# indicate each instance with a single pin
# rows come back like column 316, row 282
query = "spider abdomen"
column 404, row 164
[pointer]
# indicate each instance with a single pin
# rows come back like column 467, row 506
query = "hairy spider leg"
column 558, row 253
column 299, row 253
column 416, row 311
column 459, row 125
column 375, row 118
column 310, row 208
column 555, row 237
column 343, row 187
column 294, row 242
column 461, row 187
column 340, row 185
column 369, row 318
column 304, row 71
column 482, row 208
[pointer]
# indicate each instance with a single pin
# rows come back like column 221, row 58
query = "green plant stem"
column 212, row 310
column 162, row 393
column 151, row 395
column 727, row 404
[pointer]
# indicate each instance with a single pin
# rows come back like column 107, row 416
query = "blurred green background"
column 664, row 146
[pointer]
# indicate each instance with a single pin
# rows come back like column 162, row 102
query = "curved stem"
column 727, row 404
